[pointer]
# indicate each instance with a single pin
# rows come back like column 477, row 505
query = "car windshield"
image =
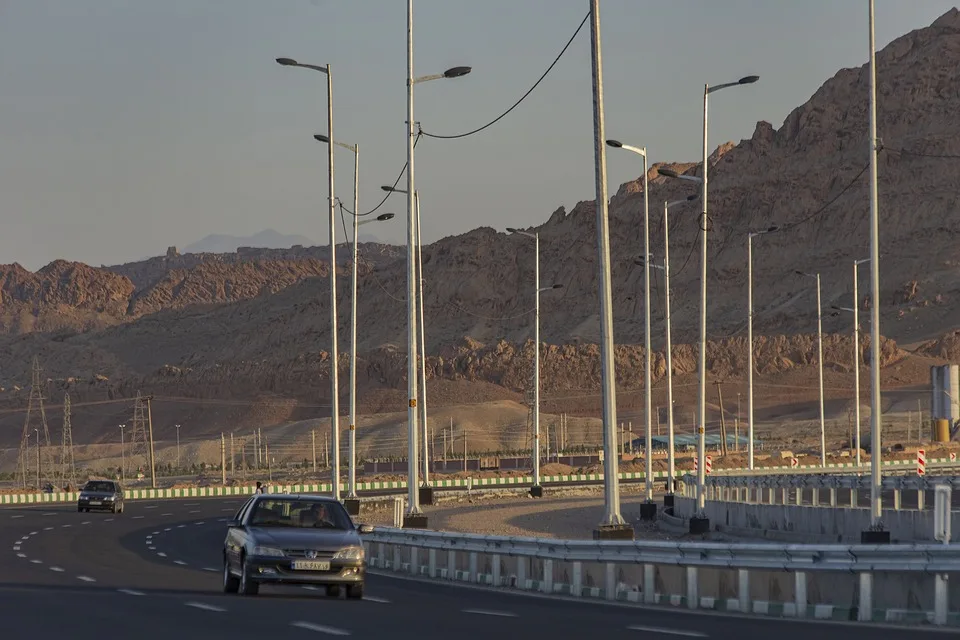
column 99, row 486
column 304, row 514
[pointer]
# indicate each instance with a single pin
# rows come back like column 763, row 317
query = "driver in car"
column 315, row 516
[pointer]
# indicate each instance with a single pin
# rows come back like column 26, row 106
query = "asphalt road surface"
column 155, row 572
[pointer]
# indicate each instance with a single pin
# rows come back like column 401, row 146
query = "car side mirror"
column 365, row 529
column 234, row 524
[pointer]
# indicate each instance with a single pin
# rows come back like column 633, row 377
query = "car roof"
column 296, row 496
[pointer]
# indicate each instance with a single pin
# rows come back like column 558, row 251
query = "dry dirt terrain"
column 233, row 342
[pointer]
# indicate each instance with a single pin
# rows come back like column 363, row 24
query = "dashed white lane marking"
column 672, row 632
column 21, row 555
column 192, row 504
column 198, row 523
column 109, row 520
column 131, row 592
column 167, row 529
column 227, row 509
column 86, row 578
column 204, row 606
column 48, row 514
column 33, row 533
column 37, row 561
column 181, row 526
column 25, row 538
column 156, row 506
column 16, row 547
column 161, row 554
column 212, row 569
column 48, row 528
column 375, row 599
column 57, row 569
column 15, row 517
column 222, row 519
column 154, row 533
column 137, row 518
column 195, row 511
column 166, row 514
column 180, row 562
column 87, row 522
column 484, row 612
column 66, row 526
column 310, row 626
column 152, row 548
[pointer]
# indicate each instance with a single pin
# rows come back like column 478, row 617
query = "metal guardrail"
column 893, row 483
column 502, row 561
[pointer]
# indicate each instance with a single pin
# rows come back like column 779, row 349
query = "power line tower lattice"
column 39, row 463
column 139, row 445
column 67, row 469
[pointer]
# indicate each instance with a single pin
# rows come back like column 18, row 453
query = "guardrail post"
column 833, row 496
column 495, row 569
column 649, row 583
column 432, row 563
column 474, row 575
column 815, row 497
column 414, row 561
column 773, row 495
column 396, row 557
column 800, row 593
column 865, row 612
column 611, row 582
column 451, row 565
column 921, row 494
column 548, row 576
column 854, row 498
column 896, row 499
column 693, row 598
column 743, row 590
column 798, row 498
column 521, row 572
column 381, row 556
column 941, row 600
column 785, row 496
column 577, row 582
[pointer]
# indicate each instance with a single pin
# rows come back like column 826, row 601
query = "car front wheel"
column 231, row 583
column 355, row 591
column 248, row 586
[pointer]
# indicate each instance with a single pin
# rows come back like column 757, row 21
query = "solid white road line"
column 86, row 578
column 205, row 607
column 671, row 632
column 310, row 626
column 375, row 599
column 484, row 612
column 131, row 592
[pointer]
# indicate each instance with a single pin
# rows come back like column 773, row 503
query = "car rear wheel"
column 231, row 583
column 248, row 586
column 355, row 591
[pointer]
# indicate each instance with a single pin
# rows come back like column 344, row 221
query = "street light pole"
column 612, row 525
column 700, row 523
column 178, row 448
column 37, row 431
column 823, row 432
column 856, row 349
column 536, row 490
column 750, row 237
column 123, row 455
column 334, row 353
column 876, row 533
column 648, row 510
column 423, row 357
column 352, row 502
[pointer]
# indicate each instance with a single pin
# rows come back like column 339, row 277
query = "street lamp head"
column 692, row 197
column 321, row 138
column 558, row 286
column 383, row 217
column 512, row 230
column 800, row 273
column 386, row 188
column 669, row 173
column 748, row 80
column 287, row 62
column 772, row 228
column 457, row 72
column 616, row 144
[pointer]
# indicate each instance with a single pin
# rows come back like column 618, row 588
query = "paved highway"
column 154, row 572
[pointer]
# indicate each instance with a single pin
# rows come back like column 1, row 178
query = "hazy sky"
column 127, row 126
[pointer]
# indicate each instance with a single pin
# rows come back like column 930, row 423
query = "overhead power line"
column 522, row 98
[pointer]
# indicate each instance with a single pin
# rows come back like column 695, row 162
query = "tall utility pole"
column 140, row 438
column 876, row 533
column 723, row 424
column 612, row 525
column 34, row 403
column 123, row 456
column 223, row 460
column 153, row 466
column 178, row 448
column 313, row 447
column 233, row 459
column 67, row 471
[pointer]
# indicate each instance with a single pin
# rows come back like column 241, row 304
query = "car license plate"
column 96, row 502
column 310, row 565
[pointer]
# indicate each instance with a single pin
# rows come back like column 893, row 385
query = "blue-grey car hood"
column 97, row 495
column 291, row 538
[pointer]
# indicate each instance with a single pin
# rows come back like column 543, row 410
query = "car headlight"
column 109, row 498
column 349, row 553
column 267, row 551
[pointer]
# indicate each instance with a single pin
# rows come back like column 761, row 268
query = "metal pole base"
column 874, row 537
column 352, row 505
column 668, row 502
column 536, row 491
column 613, row 532
column 414, row 521
column 648, row 511
column 699, row 525
column 426, row 494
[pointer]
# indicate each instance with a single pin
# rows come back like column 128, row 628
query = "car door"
column 235, row 535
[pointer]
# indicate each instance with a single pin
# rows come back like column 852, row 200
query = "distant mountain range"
column 266, row 239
